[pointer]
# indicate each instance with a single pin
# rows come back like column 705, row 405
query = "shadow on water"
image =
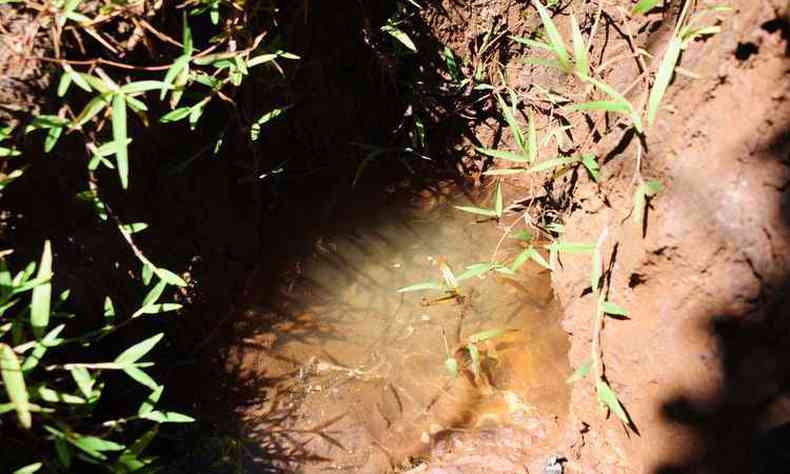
column 745, row 427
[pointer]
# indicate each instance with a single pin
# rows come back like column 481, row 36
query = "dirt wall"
column 700, row 365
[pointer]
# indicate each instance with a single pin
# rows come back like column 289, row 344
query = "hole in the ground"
column 635, row 280
column 325, row 364
column 745, row 51
column 782, row 26
column 370, row 365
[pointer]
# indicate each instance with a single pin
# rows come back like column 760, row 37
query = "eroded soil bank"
column 702, row 363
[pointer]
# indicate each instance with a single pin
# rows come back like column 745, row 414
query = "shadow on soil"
column 248, row 207
column 746, row 427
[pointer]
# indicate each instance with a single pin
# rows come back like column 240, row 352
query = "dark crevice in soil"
column 746, row 50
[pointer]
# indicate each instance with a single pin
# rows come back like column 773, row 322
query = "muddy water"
column 360, row 368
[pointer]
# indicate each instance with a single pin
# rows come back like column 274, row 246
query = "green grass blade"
column 608, row 398
column 579, row 50
column 498, row 201
column 15, row 387
column 186, row 36
column 653, row 187
column 644, row 6
column 580, row 372
column 173, row 72
column 538, row 258
column 553, row 163
column 477, row 210
column 137, row 351
column 420, row 287
column 400, row 36
column 592, row 166
column 120, row 137
column 96, row 105
column 510, row 118
column 557, row 43
column 663, row 78
column 571, row 247
column 176, row 115
column 30, row 468
column 520, row 260
column 542, row 62
column 65, row 82
column 505, row 171
column 532, row 43
column 142, row 86
column 476, row 270
column 609, row 90
column 611, row 308
column 504, row 155
column 170, row 277
column 42, row 294
column 602, row 106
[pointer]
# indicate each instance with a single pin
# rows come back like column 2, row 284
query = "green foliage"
column 51, row 380
column 57, row 400
column 495, row 213
column 684, row 34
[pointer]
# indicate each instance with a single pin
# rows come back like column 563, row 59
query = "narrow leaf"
column 477, row 210
column 608, row 398
column 175, row 115
column 663, row 78
column 167, row 417
column 476, row 270
column 150, row 402
column 644, row 6
column 140, row 376
column 96, row 105
column 120, row 137
column 579, row 49
column 592, row 166
column 15, row 387
column 134, row 353
column 553, row 163
column 170, row 277
column 571, row 247
column 30, row 468
column 555, row 38
column 420, row 287
column 155, row 293
column 143, row 86
column 399, row 35
column 602, row 106
column 42, row 294
column 580, row 372
column 611, row 308
column 520, row 260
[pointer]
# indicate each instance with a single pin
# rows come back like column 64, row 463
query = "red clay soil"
column 701, row 365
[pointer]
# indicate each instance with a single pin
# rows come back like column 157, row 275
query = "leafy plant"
column 58, row 401
column 685, row 33
column 495, row 213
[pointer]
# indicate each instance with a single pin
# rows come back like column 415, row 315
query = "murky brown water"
column 367, row 363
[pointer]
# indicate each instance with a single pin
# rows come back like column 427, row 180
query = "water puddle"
column 360, row 370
